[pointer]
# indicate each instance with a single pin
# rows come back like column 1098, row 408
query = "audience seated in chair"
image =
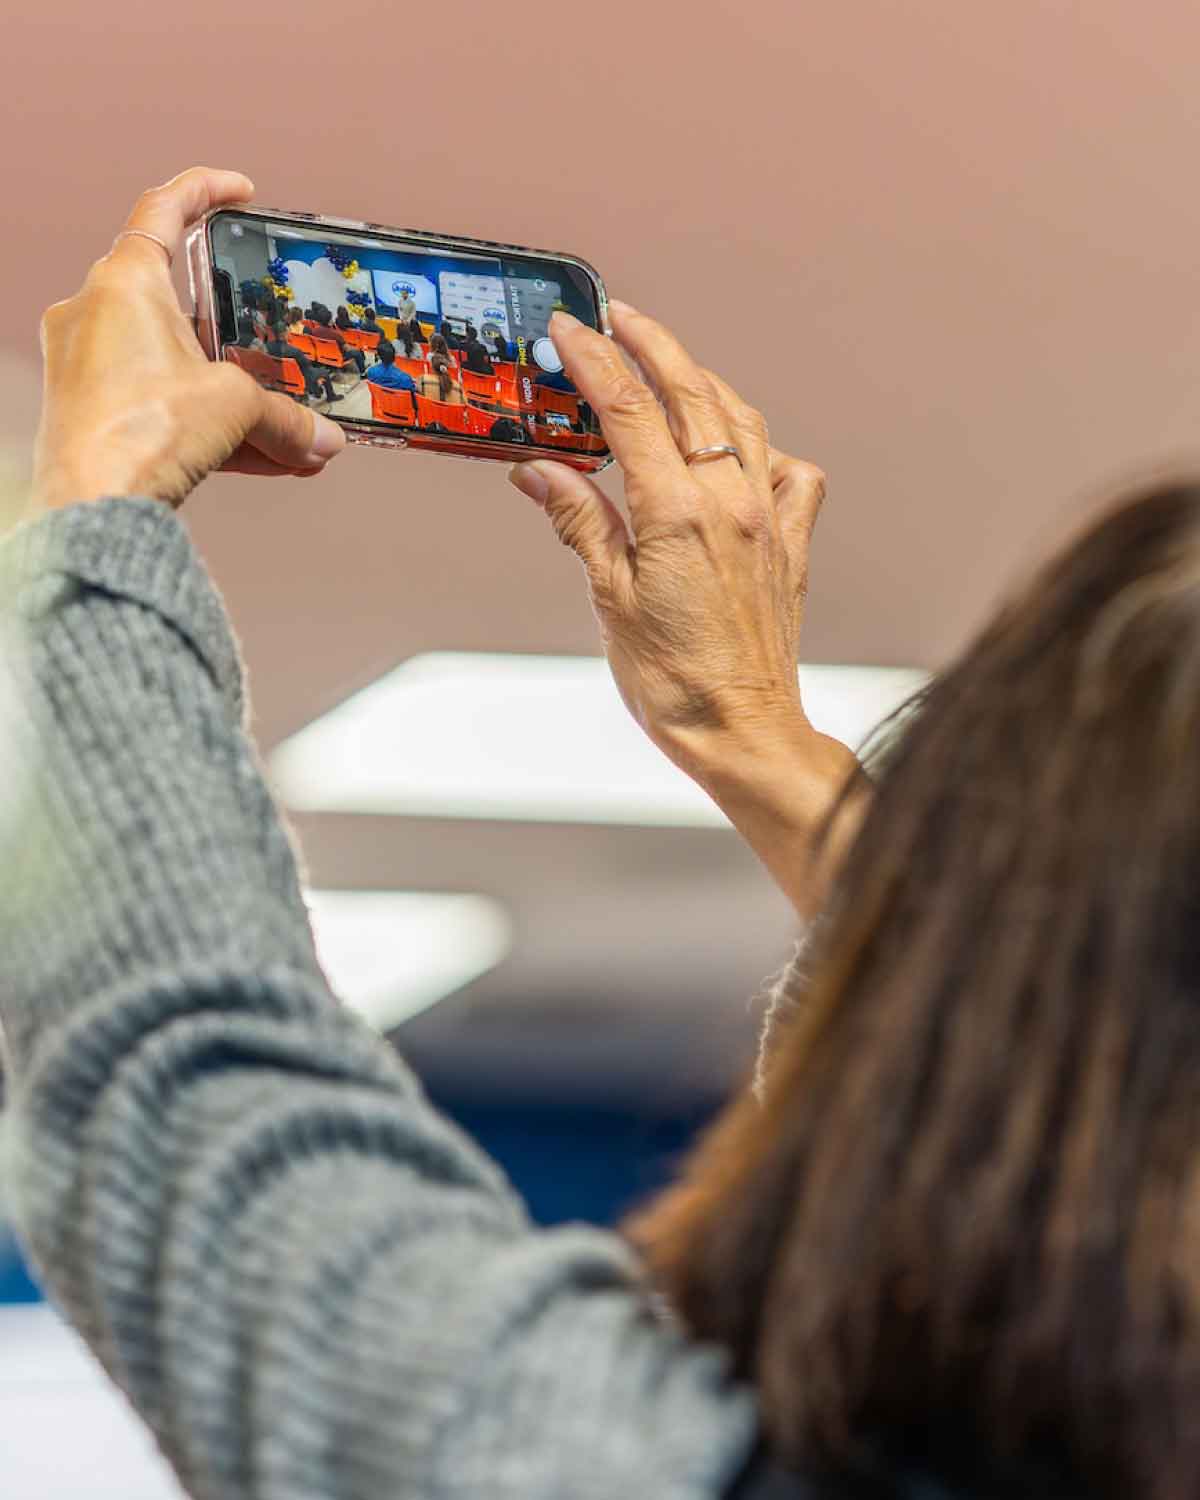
column 452, row 339
column 409, row 334
column 247, row 336
column 477, row 360
column 440, row 384
column 326, row 330
column 316, row 382
column 385, row 373
column 508, row 431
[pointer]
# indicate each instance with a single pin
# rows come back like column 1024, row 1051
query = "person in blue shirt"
column 385, row 372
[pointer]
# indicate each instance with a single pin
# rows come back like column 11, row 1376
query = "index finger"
column 169, row 211
column 633, row 422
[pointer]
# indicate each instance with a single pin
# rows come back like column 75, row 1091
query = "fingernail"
column 328, row 439
column 617, row 306
column 529, row 481
column 566, row 319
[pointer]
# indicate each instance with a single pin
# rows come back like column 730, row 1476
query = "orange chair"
column 354, row 337
column 558, row 437
column 478, row 421
column 548, row 399
column 580, row 442
column 508, row 393
column 396, row 407
column 277, row 374
column 505, row 368
column 453, row 418
column 367, row 340
column 481, row 387
column 328, row 352
column 414, row 367
column 304, row 343
column 290, row 378
column 481, row 422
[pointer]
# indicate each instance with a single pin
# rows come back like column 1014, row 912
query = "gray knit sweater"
column 308, row 1282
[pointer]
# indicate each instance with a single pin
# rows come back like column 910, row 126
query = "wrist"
column 781, row 767
column 784, row 795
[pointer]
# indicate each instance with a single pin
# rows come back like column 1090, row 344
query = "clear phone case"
column 201, row 269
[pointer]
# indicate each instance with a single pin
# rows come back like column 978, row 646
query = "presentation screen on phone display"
column 405, row 334
column 390, row 288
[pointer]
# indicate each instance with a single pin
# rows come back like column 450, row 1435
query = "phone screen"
column 402, row 333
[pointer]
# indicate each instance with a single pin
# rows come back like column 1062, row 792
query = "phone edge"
column 200, row 268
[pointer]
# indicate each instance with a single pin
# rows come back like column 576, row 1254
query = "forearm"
column 797, row 798
column 307, row 1281
column 143, row 837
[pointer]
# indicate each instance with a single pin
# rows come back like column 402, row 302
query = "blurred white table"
column 65, row 1432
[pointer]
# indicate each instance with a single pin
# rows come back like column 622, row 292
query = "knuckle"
column 152, row 196
column 804, row 476
column 55, row 316
column 105, row 278
column 688, row 515
column 628, row 397
column 755, row 423
column 695, row 390
column 711, row 384
column 816, row 481
column 752, row 522
column 569, row 527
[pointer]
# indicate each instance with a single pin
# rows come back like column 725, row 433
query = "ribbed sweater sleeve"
column 309, row 1283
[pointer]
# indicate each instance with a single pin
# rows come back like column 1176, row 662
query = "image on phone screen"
column 399, row 333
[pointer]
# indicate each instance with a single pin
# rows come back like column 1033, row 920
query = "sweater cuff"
column 130, row 549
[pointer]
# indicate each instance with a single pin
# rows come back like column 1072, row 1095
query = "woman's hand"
column 700, row 598
column 132, row 406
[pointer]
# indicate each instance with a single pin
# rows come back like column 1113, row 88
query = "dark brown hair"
column 964, row 1222
column 439, row 360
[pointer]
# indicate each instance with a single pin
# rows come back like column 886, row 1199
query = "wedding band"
column 146, row 235
column 718, row 450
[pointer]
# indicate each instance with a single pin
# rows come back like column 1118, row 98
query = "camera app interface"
column 404, row 335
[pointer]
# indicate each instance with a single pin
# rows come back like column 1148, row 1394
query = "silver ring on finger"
column 713, row 452
column 144, row 234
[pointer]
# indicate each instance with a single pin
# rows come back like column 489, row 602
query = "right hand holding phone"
column 700, row 597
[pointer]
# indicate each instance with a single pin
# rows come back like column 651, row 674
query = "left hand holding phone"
column 131, row 404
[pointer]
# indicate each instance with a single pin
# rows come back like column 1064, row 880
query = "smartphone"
column 406, row 338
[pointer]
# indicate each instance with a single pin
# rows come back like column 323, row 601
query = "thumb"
column 583, row 516
column 290, row 435
column 293, row 435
